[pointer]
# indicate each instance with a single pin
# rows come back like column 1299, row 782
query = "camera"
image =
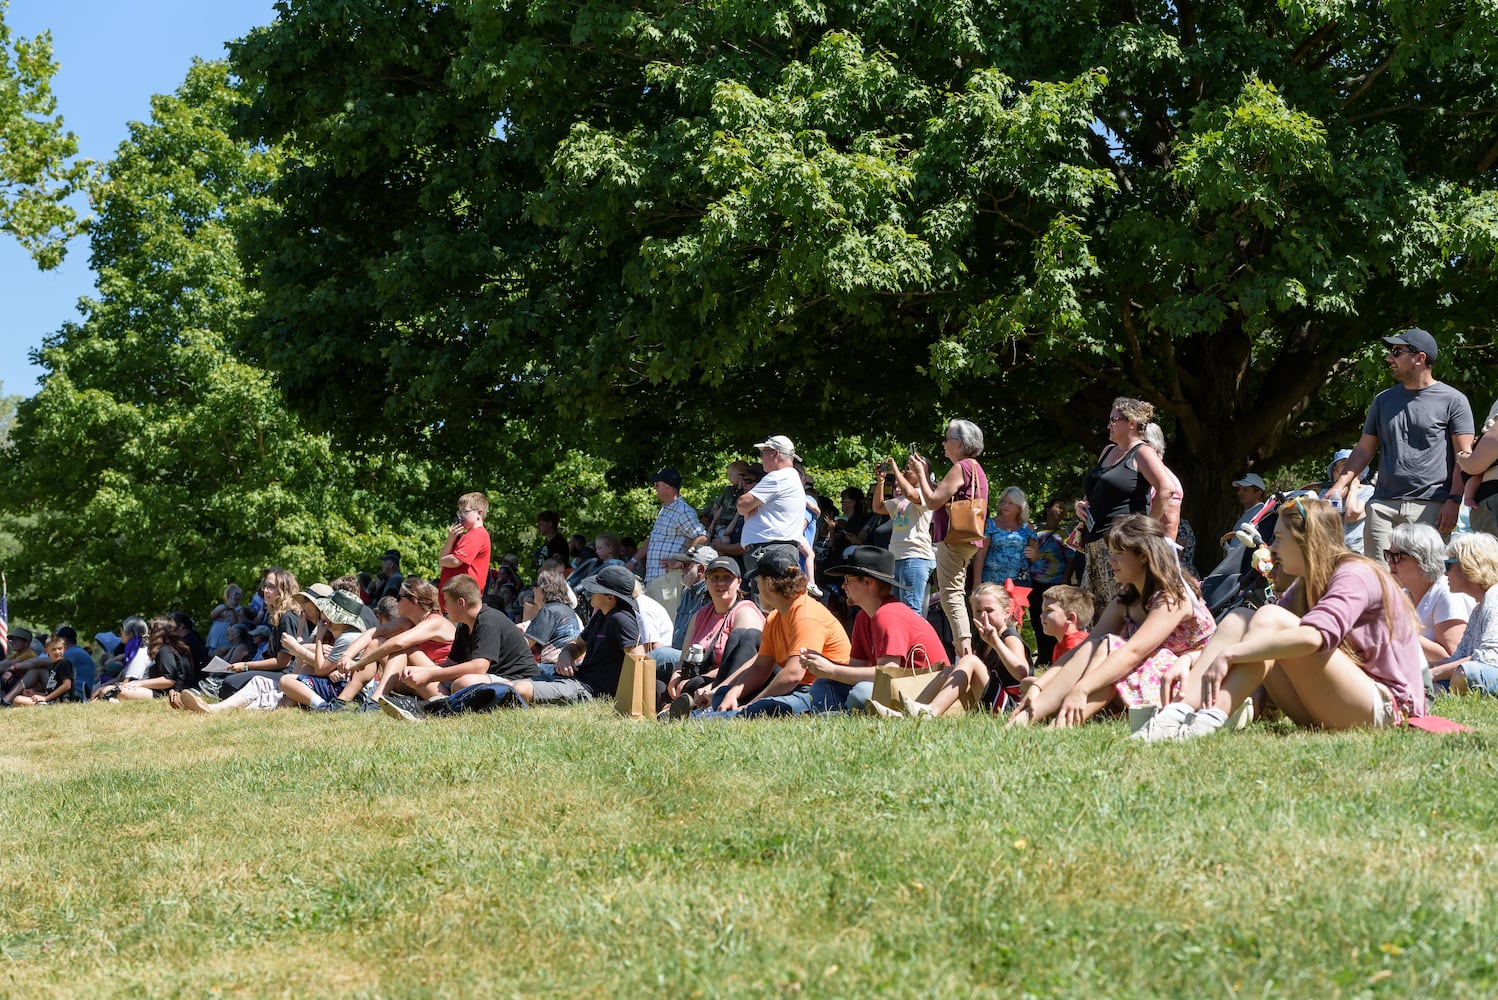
column 694, row 661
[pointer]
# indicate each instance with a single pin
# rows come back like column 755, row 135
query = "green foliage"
column 39, row 169
column 850, row 218
column 568, row 852
column 154, row 466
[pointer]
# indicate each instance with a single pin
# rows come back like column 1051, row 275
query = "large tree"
column 154, row 466
column 683, row 223
column 39, row 168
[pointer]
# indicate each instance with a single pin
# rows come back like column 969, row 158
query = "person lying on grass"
column 1340, row 649
column 885, row 632
column 419, row 636
column 1156, row 621
column 57, row 684
column 1472, row 570
column 1002, row 654
column 333, row 680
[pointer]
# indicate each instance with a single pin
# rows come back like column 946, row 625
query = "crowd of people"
column 775, row 601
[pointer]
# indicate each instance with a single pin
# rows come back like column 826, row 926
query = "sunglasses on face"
column 1399, row 352
column 1393, row 556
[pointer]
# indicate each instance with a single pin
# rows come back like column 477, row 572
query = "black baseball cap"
column 1419, row 339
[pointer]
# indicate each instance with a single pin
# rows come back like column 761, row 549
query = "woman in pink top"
column 1340, row 649
column 729, row 616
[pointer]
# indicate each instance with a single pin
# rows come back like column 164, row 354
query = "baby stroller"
column 1241, row 580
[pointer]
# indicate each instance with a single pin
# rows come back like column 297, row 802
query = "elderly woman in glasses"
column 1472, row 568
column 1417, row 557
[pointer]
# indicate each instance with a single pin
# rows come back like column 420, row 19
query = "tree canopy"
column 39, row 169
column 855, row 215
column 153, row 466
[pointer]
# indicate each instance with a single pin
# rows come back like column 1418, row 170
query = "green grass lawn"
column 563, row 851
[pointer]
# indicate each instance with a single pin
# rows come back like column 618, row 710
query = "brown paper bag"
column 910, row 678
column 635, row 696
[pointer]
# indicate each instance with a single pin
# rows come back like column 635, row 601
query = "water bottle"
column 1336, row 501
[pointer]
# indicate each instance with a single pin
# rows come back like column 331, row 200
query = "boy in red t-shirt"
column 1065, row 615
column 467, row 548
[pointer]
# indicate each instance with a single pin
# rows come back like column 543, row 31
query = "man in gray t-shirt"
column 1420, row 424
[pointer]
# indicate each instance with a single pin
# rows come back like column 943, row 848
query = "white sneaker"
column 916, row 709
column 1203, row 723
column 1166, row 724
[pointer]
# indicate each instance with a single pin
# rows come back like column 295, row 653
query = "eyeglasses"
column 721, row 578
column 1399, row 352
column 1392, row 556
column 467, row 510
column 1453, row 562
column 1114, row 418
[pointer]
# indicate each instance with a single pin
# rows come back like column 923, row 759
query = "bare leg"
column 393, row 666
column 969, row 675
column 295, row 689
column 1045, row 697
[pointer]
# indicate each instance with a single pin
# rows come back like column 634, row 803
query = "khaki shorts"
column 1386, row 710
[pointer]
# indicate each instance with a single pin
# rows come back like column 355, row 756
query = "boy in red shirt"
column 1065, row 615
column 467, row 548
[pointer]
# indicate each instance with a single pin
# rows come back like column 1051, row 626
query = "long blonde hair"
column 1316, row 527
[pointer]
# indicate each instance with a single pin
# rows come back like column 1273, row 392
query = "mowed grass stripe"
column 567, row 851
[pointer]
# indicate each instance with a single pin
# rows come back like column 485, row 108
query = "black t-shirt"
column 197, row 648
column 607, row 637
column 554, row 547
column 496, row 639
column 60, row 671
column 290, row 622
column 176, row 667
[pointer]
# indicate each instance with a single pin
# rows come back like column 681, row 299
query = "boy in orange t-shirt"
column 796, row 622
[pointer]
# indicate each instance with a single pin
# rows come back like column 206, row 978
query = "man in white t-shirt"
column 775, row 509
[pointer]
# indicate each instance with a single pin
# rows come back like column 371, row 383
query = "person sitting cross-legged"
column 777, row 682
column 486, row 647
column 590, row 665
column 885, row 631
column 57, row 683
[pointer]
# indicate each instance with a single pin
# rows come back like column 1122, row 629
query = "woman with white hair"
column 1472, row 568
column 1005, row 536
column 1416, row 556
column 964, row 481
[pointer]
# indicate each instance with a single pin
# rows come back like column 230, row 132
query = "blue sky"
column 113, row 57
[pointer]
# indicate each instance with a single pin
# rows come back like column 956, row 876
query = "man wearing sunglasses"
column 1418, row 426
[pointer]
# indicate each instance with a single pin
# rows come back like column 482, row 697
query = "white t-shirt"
column 782, row 512
column 1441, row 605
column 136, row 669
column 910, row 534
column 656, row 621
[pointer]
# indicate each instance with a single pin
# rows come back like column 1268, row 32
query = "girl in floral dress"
column 1157, row 621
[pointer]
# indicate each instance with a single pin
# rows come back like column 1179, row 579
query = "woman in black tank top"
column 1120, row 484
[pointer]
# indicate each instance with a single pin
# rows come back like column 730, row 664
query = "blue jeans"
column 1481, row 677
column 798, row 702
column 912, row 575
column 835, row 696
